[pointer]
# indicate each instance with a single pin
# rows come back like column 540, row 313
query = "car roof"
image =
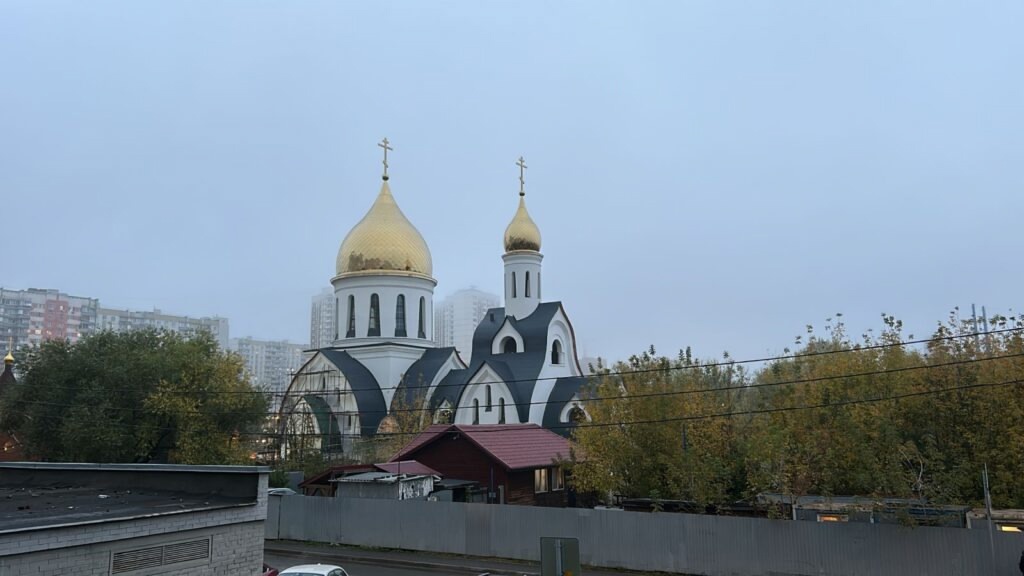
column 311, row 568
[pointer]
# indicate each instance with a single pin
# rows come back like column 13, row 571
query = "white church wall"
column 520, row 300
column 387, row 287
column 559, row 330
column 476, row 392
column 387, row 363
column 506, row 331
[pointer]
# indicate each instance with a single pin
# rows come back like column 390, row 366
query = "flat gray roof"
column 136, row 467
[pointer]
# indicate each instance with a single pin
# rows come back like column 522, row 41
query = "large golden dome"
column 384, row 241
column 522, row 233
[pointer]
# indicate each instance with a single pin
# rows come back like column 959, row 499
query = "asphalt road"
column 353, row 568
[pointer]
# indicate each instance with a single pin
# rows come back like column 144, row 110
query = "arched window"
column 400, row 316
column 556, row 352
column 374, row 316
column 488, row 408
column 337, row 315
column 476, row 411
column 422, row 332
column 538, row 285
column 508, row 345
column 577, row 415
column 351, row 332
column 513, row 284
column 526, row 285
column 501, row 410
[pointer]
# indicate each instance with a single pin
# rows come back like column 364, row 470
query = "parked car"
column 268, row 570
column 281, row 492
column 315, row 570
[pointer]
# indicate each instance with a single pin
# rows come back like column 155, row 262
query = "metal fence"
column 682, row 543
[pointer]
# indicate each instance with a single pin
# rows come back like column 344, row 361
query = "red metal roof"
column 407, row 467
column 516, row 446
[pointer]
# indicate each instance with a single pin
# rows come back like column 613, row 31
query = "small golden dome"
column 9, row 359
column 384, row 240
column 522, row 233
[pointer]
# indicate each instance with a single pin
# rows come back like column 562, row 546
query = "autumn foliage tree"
column 135, row 396
column 839, row 415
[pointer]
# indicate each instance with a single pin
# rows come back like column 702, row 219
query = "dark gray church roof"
column 564, row 390
column 421, row 373
column 519, row 370
column 365, row 389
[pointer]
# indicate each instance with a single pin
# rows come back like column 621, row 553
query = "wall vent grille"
column 156, row 556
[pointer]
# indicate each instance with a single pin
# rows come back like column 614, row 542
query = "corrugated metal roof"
column 516, row 446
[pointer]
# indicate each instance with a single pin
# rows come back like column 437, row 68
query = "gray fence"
column 683, row 543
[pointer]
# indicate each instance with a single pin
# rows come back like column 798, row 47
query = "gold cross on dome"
column 384, row 144
column 522, row 181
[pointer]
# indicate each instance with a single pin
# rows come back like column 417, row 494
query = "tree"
column 136, row 396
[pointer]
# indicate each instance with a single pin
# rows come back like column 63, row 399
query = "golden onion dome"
column 522, row 233
column 384, row 241
column 9, row 359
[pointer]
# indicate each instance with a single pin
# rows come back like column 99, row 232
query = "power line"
column 621, row 397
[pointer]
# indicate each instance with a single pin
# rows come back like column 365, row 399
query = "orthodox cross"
column 384, row 144
column 522, row 182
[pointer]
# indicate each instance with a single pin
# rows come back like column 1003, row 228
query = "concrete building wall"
column 123, row 320
column 28, row 317
column 323, row 328
column 457, row 317
column 679, row 543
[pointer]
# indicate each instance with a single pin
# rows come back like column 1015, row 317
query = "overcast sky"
column 713, row 174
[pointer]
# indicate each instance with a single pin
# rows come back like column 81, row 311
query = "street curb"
column 433, row 566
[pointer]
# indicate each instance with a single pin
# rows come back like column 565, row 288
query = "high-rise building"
column 270, row 363
column 457, row 317
column 321, row 319
column 28, row 317
column 123, row 320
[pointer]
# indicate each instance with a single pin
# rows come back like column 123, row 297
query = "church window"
column 508, row 345
column 576, row 415
column 400, row 316
column 374, row 316
column 501, row 410
column 538, row 285
column 422, row 332
column 337, row 313
column 556, row 352
column 476, row 411
column 526, row 285
column 489, row 404
column 513, row 284
column 351, row 332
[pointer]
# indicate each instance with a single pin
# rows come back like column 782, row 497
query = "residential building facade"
column 29, row 317
column 270, row 363
column 322, row 325
column 118, row 320
column 458, row 315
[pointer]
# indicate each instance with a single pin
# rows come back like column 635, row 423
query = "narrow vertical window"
column 422, row 332
column 476, row 411
column 513, row 284
column 538, row 285
column 501, row 410
column 351, row 332
column 400, row 316
column 489, row 404
column 337, row 318
column 556, row 352
column 374, row 316
column 526, row 285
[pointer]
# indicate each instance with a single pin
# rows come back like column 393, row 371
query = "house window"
column 501, row 410
column 422, row 332
column 351, row 332
column 400, row 316
column 476, row 411
column 833, row 518
column 526, row 285
column 557, row 479
column 513, row 284
column 540, row 480
column 508, row 345
column 374, row 316
column 488, row 389
column 556, row 352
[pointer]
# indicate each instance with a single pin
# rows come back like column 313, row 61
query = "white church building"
column 383, row 358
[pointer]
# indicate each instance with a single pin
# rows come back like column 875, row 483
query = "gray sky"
column 713, row 174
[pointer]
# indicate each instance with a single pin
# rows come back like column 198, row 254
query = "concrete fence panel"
column 682, row 543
